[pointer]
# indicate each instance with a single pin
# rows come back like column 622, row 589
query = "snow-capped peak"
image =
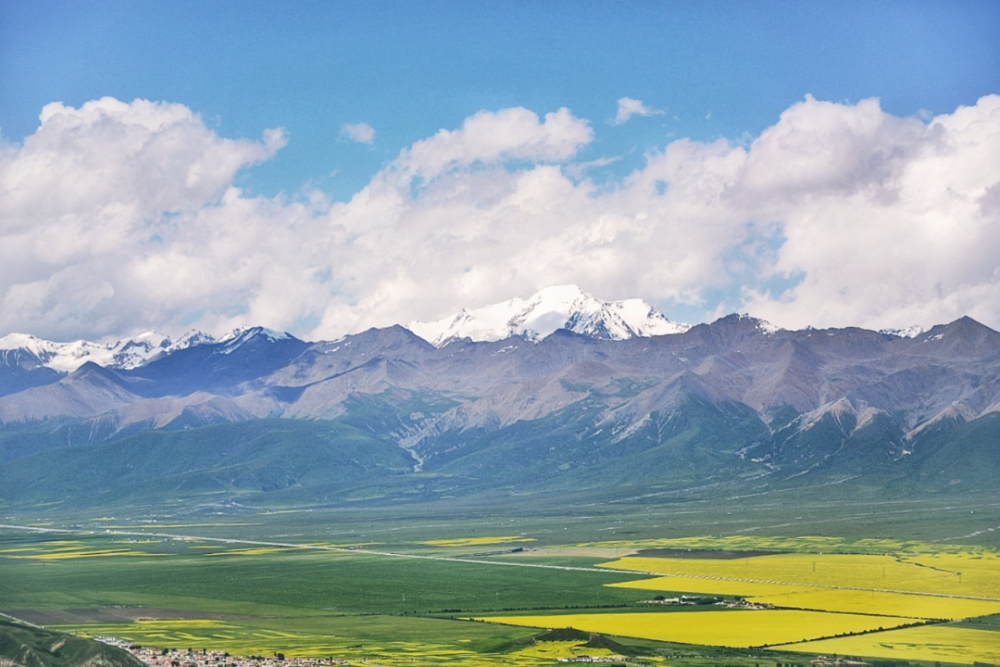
column 240, row 335
column 191, row 339
column 763, row 326
column 125, row 354
column 553, row 308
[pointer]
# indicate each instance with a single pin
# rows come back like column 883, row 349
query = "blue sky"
column 409, row 69
column 703, row 71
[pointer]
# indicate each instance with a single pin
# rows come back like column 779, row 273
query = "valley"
column 724, row 494
column 511, row 334
column 402, row 585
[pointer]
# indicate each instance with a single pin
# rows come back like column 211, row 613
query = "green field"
column 397, row 586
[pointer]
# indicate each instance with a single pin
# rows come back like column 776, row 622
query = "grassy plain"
column 260, row 600
column 226, row 579
column 399, row 610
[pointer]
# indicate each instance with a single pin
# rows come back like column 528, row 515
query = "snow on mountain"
column 241, row 335
column 560, row 307
column 763, row 326
column 63, row 357
column 908, row 332
column 125, row 354
column 191, row 339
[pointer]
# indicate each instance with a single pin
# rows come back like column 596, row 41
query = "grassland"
column 226, row 579
column 259, row 600
column 334, row 595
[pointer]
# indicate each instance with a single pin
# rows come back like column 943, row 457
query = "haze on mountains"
column 594, row 406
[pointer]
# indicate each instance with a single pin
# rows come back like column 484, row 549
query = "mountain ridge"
column 561, row 307
column 731, row 400
column 548, row 310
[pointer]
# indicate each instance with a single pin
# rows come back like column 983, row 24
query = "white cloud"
column 84, row 199
column 891, row 224
column 118, row 217
column 823, row 148
column 490, row 137
column 363, row 133
column 628, row 107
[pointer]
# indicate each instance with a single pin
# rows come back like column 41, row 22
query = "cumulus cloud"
column 363, row 133
column 488, row 138
column 96, row 190
column 822, row 148
column 119, row 216
column 894, row 225
column 628, row 107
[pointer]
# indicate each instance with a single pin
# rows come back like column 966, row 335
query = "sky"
column 326, row 167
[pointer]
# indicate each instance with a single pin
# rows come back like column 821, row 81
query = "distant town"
column 171, row 657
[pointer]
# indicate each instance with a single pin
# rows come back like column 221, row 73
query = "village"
column 692, row 600
column 170, row 657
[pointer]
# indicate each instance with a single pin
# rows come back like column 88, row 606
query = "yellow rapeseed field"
column 701, row 585
column 47, row 547
column 220, row 635
column 938, row 643
column 873, row 602
column 67, row 550
column 477, row 541
column 556, row 650
column 69, row 554
column 815, row 544
column 251, row 551
column 967, row 575
column 826, row 599
column 737, row 629
column 978, row 573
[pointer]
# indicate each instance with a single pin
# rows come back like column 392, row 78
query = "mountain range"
column 555, row 394
column 562, row 307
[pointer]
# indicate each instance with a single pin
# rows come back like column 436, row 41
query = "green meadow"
column 398, row 586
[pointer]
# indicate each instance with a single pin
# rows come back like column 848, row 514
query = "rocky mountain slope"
column 725, row 402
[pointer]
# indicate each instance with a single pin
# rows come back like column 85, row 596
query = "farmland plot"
column 736, row 629
column 930, row 643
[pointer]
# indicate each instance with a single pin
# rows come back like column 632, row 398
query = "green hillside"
column 27, row 646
